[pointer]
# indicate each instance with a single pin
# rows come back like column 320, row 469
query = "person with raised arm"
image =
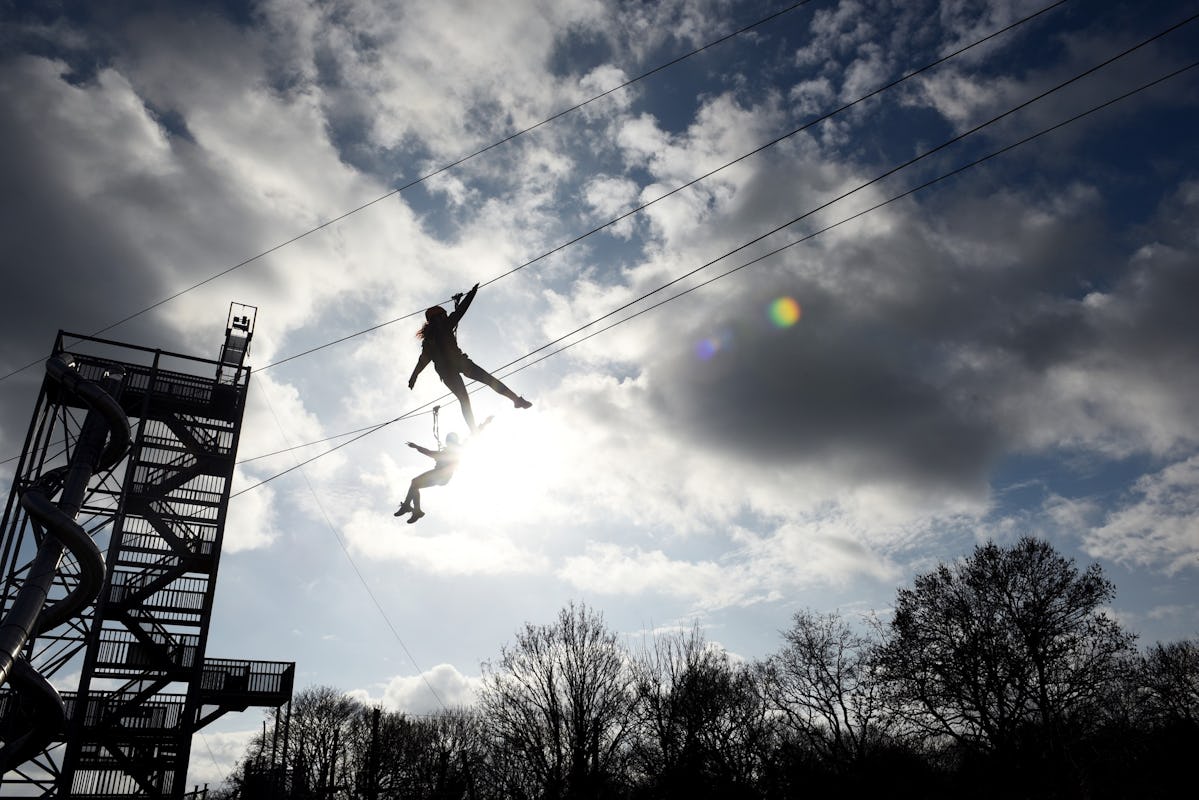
column 439, row 344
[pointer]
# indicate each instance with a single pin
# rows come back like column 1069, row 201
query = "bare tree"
column 1006, row 644
column 701, row 721
column 318, row 737
column 823, row 685
column 557, row 708
column 389, row 755
column 1169, row 678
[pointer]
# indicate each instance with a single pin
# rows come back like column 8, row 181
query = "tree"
column 389, row 755
column 307, row 751
column 702, row 726
column 317, row 740
column 1007, row 648
column 1169, row 678
column 557, row 709
column 823, row 685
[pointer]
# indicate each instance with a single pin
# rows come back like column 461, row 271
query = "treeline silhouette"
column 997, row 676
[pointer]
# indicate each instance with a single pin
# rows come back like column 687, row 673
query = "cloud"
column 966, row 99
column 609, row 568
column 1160, row 529
column 428, row 79
column 76, row 149
column 833, row 550
column 214, row 755
column 922, row 357
column 278, row 418
column 442, row 544
column 433, row 690
column 610, row 197
column 1173, row 611
column 763, row 568
column 251, row 522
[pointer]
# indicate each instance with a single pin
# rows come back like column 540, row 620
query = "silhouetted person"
column 447, row 461
column 440, row 345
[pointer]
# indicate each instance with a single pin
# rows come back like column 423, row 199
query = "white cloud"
column 433, row 690
column 966, row 100
column 278, row 418
column 214, row 755
column 613, row 569
column 866, row 73
column 444, row 542
column 1173, row 612
column 603, row 79
column 1159, row 530
column 812, row 96
column 610, row 197
column 251, row 521
column 448, row 77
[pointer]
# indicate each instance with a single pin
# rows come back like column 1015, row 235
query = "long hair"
column 434, row 315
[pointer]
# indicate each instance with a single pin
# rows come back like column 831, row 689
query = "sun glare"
column 503, row 473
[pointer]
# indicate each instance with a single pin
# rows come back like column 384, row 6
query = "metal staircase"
column 146, row 685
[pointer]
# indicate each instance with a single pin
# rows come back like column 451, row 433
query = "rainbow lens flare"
column 784, row 312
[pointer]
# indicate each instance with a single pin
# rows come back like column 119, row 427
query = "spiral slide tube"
column 29, row 614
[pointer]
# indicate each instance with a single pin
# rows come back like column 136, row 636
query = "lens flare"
column 711, row 346
column 784, row 312
column 707, row 348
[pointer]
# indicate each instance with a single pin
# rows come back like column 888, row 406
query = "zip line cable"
column 379, row 606
column 215, row 763
column 805, row 238
column 811, row 123
column 434, row 173
column 10, row 459
column 306, row 444
column 366, row 432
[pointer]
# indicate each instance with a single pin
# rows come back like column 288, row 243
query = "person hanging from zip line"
column 439, row 344
column 445, row 462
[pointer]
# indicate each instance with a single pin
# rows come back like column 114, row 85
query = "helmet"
column 434, row 311
column 451, row 438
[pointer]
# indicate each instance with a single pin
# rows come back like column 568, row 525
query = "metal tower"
column 138, row 445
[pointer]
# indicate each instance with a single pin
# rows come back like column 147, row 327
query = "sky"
column 1010, row 350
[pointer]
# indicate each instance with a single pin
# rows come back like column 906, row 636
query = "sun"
column 503, row 472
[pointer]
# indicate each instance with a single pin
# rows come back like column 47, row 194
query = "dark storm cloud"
column 1157, row 317
column 98, row 209
column 835, row 389
column 65, row 265
column 925, row 355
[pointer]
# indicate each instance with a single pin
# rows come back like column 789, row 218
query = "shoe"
column 520, row 402
column 404, row 509
column 415, row 516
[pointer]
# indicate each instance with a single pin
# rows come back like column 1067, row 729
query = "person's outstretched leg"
column 416, row 512
column 473, row 371
column 412, row 500
column 453, row 382
column 423, row 481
